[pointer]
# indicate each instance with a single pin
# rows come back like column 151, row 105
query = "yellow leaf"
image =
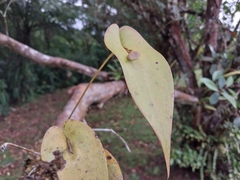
column 48, row 146
column 84, row 155
column 114, row 171
column 149, row 80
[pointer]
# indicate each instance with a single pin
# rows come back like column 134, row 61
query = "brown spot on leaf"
column 133, row 55
column 109, row 157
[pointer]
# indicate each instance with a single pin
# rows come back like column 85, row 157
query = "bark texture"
column 98, row 93
column 212, row 25
column 211, row 32
column 182, row 53
column 46, row 60
column 185, row 98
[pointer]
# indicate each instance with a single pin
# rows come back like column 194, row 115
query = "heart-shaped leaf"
column 80, row 148
column 149, row 80
column 114, row 171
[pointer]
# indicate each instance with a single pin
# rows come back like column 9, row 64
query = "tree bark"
column 182, row 53
column 46, row 60
column 212, row 25
column 98, row 93
column 211, row 31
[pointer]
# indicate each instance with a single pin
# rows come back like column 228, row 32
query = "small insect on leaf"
column 133, row 55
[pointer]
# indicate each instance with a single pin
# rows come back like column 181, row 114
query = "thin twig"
column 5, row 17
column 112, row 131
column 237, row 26
column 4, row 146
column 32, row 171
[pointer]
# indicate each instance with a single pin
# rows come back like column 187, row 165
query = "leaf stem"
column 95, row 75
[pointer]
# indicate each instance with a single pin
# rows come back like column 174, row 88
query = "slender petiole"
column 95, row 75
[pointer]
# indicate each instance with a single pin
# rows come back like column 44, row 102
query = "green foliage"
column 49, row 28
column 4, row 98
column 221, row 82
column 21, row 80
column 116, row 70
column 215, row 155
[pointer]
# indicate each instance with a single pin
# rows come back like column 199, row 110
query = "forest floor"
column 25, row 125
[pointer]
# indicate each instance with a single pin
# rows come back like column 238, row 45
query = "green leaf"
column 149, row 79
column 236, row 121
column 3, row 98
column 214, row 54
column 221, row 82
column 209, row 83
column 216, row 74
column 213, row 68
column 230, row 81
column 84, row 154
column 230, row 99
column 233, row 93
column 214, row 98
column 198, row 75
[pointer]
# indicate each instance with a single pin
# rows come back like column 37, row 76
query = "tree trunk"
column 212, row 25
column 211, row 31
column 182, row 53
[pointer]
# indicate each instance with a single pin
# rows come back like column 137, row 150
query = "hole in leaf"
column 109, row 157
column 58, row 161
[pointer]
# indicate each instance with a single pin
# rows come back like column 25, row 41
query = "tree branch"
column 192, row 12
column 185, row 98
column 46, row 60
column 97, row 93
